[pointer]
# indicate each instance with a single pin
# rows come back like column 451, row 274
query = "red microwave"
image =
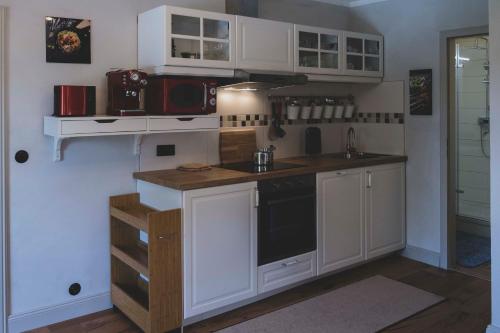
column 167, row 95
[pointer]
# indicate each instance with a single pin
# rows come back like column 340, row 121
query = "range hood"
column 260, row 80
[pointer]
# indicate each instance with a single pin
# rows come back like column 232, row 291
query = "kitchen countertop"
column 217, row 176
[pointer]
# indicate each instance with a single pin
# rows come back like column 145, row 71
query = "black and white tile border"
column 252, row 120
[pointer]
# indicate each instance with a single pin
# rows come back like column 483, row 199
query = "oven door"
column 287, row 224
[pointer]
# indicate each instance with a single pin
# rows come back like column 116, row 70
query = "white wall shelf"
column 62, row 128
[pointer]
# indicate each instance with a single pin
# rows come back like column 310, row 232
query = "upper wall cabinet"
column 318, row 50
column 363, row 54
column 176, row 36
column 264, row 44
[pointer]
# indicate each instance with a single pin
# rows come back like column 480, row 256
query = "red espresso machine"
column 126, row 92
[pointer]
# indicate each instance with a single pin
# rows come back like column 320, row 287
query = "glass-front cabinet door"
column 363, row 54
column 199, row 38
column 317, row 50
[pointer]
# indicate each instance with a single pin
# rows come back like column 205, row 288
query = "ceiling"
column 350, row 3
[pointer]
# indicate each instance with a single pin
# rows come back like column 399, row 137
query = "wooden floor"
column 466, row 308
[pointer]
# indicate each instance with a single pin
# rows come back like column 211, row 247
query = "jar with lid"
column 293, row 110
column 329, row 107
column 317, row 109
column 306, row 111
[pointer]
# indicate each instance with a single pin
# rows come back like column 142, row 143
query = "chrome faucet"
column 351, row 143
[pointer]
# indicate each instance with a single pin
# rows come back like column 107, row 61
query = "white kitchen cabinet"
column 175, row 36
column 385, row 209
column 220, row 247
column 363, row 54
column 317, row 50
column 264, row 44
column 340, row 200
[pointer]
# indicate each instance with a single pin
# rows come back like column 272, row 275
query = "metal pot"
column 264, row 156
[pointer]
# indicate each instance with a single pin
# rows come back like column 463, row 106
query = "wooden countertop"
column 217, row 176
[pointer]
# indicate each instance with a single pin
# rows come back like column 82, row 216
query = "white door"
column 364, row 54
column 264, row 44
column 220, row 247
column 385, row 209
column 317, row 50
column 340, row 219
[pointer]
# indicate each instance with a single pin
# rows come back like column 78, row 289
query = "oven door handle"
column 291, row 198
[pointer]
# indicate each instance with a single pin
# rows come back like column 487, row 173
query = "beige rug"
column 365, row 306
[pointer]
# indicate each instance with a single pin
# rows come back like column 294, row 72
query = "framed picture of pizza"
column 67, row 40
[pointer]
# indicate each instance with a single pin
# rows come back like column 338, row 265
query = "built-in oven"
column 287, row 217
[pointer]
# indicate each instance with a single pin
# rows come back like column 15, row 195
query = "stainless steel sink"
column 355, row 156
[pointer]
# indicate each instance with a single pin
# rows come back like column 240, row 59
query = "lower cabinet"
column 385, row 209
column 220, row 247
column 340, row 219
column 361, row 215
column 287, row 271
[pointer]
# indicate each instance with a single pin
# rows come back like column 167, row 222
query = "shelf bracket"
column 57, row 149
column 137, row 143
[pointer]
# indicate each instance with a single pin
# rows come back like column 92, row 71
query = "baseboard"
column 423, row 255
column 55, row 314
column 492, row 329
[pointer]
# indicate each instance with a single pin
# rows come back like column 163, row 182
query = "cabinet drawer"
column 285, row 272
column 163, row 124
column 106, row 125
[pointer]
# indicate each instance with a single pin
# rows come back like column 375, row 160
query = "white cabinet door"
column 340, row 219
column 220, row 247
column 264, row 44
column 385, row 209
column 317, row 50
column 177, row 36
column 364, row 54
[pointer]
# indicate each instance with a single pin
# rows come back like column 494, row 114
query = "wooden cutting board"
column 237, row 146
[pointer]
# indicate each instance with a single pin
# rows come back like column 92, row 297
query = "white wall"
column 412, row 40
column 495, row 162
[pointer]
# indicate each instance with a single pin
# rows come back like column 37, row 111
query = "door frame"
column 3, row 150
column 447, row 204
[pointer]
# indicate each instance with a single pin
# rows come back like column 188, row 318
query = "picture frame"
column 67, row 40
column 420, row 83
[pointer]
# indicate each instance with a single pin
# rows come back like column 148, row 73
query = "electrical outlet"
column 165, row 150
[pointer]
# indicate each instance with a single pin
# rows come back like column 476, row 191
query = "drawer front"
column 183, row 123
column 90, row 126
column 285, row 272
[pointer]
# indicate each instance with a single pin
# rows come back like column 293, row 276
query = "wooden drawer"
column 284, row 272
column 184, row 123
column 105, row 125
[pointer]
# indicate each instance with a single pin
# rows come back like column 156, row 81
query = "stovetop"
column 250, row 167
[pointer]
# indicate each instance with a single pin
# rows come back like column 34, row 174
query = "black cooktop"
column 252, row 168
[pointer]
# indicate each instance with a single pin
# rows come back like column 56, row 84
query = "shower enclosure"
column 472, row 170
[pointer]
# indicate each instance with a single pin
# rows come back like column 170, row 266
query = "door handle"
column 290, row 263
column 105, row 121
column 369, row 174
column 257, row 197
column 185, row 119
column 341, row 173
